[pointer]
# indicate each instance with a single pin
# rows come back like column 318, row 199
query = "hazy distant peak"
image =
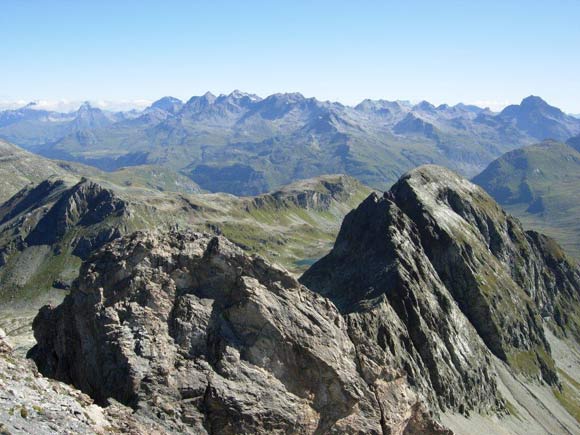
column 208, row 96
column 383, row 106
column 238, row 98
column 425, row 106
column 198, row 102
column 534, row 101
column 288, row 96
column 236, row 94
column 85, row 107
column 166, row 100
column 469, row 107
column 168, row 104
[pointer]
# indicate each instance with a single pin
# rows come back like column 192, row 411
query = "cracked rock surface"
column 433, row 277
column 193, row 333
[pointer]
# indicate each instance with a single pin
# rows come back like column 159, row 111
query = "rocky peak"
column 88, row 117
column 200, row 337
column 85, row 107
column 236, row 102
column 442, row 259
column 199, row 103
column 414, row 124
column 468, row 108
column 534, row 102
column 424, row 106
column 537, row 105
column 540, row 120
column 389, row 110
column 168, row 104
column 243, row 97
column 278, row 105
column 86, row 203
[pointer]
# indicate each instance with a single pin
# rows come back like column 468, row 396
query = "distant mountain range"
column 243, row 144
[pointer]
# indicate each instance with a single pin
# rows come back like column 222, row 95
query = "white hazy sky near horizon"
column 64, row 105
column 489, row 53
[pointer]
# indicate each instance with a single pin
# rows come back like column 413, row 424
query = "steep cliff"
column 435, row 264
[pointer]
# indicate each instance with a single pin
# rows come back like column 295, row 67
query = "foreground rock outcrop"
column 190, row 331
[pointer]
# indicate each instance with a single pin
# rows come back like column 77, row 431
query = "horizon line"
column 67, row 105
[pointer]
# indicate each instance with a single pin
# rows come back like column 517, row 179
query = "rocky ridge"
column 435, row 263
column 190, row 331
column 54, row 219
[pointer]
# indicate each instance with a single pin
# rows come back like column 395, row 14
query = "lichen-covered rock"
column 191, row 332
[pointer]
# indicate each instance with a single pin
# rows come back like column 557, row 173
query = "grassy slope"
column 540, row 184
column 19, row 168
column 277, row 226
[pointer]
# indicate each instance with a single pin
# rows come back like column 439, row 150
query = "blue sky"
column 485, row 52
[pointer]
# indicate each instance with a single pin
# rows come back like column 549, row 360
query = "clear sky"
column 485, row 52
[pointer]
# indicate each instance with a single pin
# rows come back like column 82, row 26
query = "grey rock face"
column 191, row 332
column 434, row 274
column 399, row 313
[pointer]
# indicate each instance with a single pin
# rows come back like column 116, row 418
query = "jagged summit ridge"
column 246, row 145
column 442, row 258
